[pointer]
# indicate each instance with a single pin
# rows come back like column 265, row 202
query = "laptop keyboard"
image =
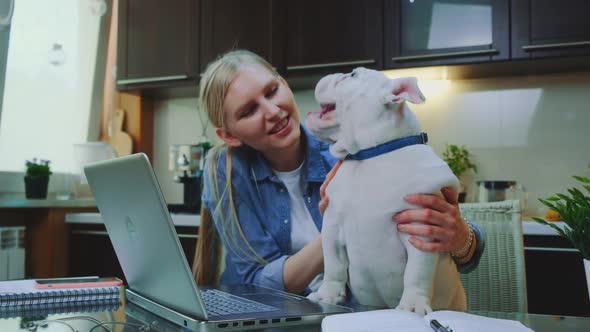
column 221, row 303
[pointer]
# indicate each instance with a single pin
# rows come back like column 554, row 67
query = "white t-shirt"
column 303, row 229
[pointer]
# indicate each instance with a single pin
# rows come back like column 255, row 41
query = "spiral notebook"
column 42, row 310
column 23, row 293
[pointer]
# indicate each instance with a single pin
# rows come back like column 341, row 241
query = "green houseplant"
column 574, row 210
column 458, row 159
column 37, row 178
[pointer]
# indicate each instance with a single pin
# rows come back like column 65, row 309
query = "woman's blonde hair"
column 213, row 89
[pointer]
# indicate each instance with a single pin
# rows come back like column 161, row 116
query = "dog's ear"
column 403, row 89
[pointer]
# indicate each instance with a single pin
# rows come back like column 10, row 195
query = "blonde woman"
column 262, row 187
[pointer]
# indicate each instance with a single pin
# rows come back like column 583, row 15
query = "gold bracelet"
column 461, row 253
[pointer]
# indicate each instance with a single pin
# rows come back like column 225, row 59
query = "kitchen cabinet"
column 436, row 32
column 329, row 36
column 157, row 43
column 238, row 24
column 546, row 28
column 93, row 254
column 45, row 243
column 555, row 276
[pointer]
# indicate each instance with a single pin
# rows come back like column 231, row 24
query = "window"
column 49, row 94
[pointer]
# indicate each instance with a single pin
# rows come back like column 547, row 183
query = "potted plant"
column 458, row 159
column 574, row 211
column 37, row 178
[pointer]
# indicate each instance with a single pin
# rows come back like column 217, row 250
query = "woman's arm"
column 300, row 268
column 444, row 225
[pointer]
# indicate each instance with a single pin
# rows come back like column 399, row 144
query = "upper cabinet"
column 168, row 44
column 440, row 32
column 238, row 24
column 548, row 28
column 157, row 43
column 329, row 35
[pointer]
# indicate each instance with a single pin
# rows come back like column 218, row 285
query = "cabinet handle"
column 103, row 233
column 90, row 233
column 551, row 249
column 556, row 45
column 445, row 55
column 332, row 64
column 153, row 79
column 188, row 236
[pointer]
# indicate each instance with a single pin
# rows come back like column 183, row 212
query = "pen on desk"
column 437, row 327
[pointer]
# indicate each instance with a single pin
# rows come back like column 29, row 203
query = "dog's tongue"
column 327, row 108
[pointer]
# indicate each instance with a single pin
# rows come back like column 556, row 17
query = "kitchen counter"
column 178, row 219
column 20, row 201
column 530, row 227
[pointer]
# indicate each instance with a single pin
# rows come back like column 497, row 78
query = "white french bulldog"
column 361, row 244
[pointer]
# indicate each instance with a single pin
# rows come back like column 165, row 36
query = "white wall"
column 176, row 122
column 531, row 129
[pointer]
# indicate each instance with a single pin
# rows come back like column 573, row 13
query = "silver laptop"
column 140, row 228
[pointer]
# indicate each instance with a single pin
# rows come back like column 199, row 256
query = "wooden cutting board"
column 120, row 140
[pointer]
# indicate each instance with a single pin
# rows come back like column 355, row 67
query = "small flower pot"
column 36, row 187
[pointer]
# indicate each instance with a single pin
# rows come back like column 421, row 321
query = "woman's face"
column 260, row 111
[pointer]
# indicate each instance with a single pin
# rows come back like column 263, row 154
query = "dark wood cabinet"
column 167, row 45
column 555, row 276
column 435, row 32
column 238, row 24
column 330, row 36
column 546, row 28
column 91, row 251
column 157, row 43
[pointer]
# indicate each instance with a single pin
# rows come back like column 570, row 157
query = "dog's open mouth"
column 326, row 108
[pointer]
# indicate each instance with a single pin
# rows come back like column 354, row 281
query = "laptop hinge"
column 162, row 311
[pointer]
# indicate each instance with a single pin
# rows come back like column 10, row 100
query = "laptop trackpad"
column 286, row 302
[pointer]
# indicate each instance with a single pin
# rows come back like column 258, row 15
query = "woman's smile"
column 282, row 128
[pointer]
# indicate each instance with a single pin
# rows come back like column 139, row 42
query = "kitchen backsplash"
column 534, row 129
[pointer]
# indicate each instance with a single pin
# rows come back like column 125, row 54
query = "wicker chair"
column 498, row 283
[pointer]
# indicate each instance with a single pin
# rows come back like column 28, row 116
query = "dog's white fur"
column 360, row 241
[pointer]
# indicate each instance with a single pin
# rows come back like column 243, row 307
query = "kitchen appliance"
column 188, row 159
column 501, row 190
column 12, row 252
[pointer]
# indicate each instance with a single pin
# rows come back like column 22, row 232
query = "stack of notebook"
column 23, row 298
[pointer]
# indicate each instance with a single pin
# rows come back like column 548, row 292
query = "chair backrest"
column 498, row 283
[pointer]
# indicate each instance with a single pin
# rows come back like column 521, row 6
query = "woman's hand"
column 324, row 199
column 442, row 222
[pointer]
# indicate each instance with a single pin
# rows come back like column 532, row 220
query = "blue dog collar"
column 389, row 146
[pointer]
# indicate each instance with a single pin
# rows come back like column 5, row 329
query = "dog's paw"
column 330, row 292
column 415, row 303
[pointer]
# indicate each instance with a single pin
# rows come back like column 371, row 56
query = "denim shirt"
column 262, row 207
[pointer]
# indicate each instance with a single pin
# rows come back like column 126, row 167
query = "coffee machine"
column 188, row 161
